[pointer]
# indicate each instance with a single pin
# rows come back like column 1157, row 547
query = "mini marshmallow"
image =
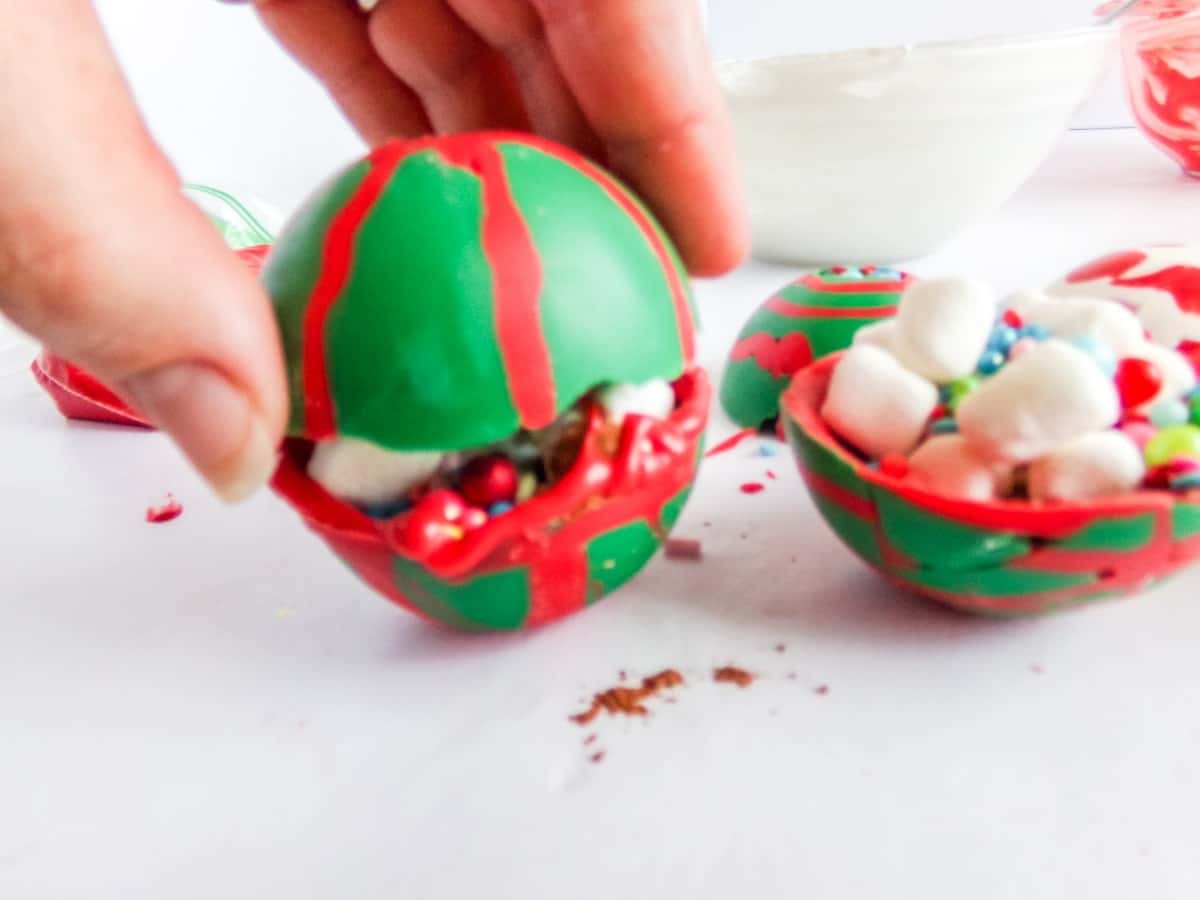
column 1097, row 465
column 1049, row 396
column 881, row 334
column 1075, row 317
column 655, row 399
column 1179, row 378
column 1022, row 301
column 876, row 404
column 949, row 465
column 943, row 326
column 363, row 473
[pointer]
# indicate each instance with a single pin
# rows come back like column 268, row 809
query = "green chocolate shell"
column 812, row 317
column 443, row 294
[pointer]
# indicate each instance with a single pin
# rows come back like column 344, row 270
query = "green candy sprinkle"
column 1179, row 441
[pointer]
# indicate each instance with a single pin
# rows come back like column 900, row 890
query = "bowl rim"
column 971, row 46
column 800, row 404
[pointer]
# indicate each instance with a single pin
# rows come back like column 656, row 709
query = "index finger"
column 641, row 73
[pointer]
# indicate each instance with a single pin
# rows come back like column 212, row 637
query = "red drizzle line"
column 782, row 307
column 517, row 275
column 820, row 286
column 338, row 257
column 852, row 503
column 683, row 312
column 731, row 442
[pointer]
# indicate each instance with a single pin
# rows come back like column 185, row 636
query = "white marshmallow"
column 876, row 404
column 943, row 327
column 881, row 334
column 655, row 399
column 949, row 465
column 363, row 473
column 1097, row 465
column 1049, row 396
column 1022, row 301
column 1072, row 317
column 1179, row 377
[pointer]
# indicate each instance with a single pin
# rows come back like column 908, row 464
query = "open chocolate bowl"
column 553, row 555
column 1002, row 558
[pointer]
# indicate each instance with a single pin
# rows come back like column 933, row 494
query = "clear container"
column 1162, row 69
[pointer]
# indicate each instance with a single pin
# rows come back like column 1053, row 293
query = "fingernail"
column 213, row 422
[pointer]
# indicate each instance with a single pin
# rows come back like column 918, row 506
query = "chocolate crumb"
column 733, row 675
column 628, row 701
column 684, row 548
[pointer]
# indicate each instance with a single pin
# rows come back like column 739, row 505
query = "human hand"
column 628, row 82
column 105, row 261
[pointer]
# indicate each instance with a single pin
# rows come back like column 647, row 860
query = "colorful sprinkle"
column 1181, row 441
column 1034, row 332
column 1138, row 381
column 752, row 487
column 959, row 391
column 944, row 426
column 991, row 362
column 1169, row 413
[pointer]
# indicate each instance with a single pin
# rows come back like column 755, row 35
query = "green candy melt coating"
column 421, row 266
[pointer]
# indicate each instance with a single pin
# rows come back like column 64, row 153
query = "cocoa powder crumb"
column 733, row 675
column 626, row 701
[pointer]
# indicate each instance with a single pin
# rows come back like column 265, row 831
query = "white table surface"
column 214, row 708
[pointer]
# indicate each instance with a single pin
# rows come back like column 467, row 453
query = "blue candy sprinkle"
column 1037, row 332
column 1186, row 482
column 499, row 509
column 1003, row 337
column 945, row 393
column 944, row 426
column 1169, row 413
column 1099, row 352
column 887, row 273
column 388, row 510
column 766, row 450
column 991, row 362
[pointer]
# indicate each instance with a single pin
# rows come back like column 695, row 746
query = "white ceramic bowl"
column 881, row 156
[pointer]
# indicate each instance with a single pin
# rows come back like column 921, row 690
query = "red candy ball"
column 1013, row 319
column 474, row 519
column 434, row 522
column 1138, row 382
column 488, row 480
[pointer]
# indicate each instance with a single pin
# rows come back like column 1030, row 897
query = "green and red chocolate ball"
column 484, row 304
column 812, row 317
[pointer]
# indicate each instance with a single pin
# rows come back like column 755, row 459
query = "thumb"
column 103, row 259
